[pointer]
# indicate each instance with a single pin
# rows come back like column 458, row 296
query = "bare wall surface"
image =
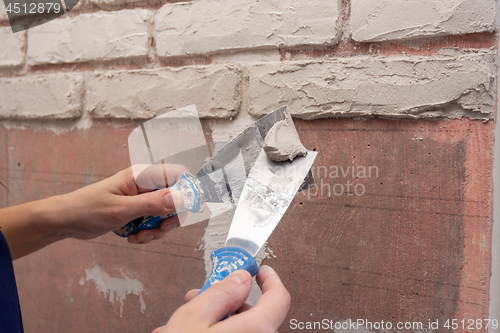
column 408, row 239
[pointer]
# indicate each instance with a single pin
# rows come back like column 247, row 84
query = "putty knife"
column 221, row 178
column 267, row 194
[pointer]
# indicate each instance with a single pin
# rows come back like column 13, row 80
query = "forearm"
column 86, row 213
column 31, row 226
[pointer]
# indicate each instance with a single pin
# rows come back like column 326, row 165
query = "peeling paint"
column 114, row 288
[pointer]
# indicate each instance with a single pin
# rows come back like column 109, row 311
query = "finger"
column 269, row 312
column 158, row 330
column 157, row 203
column 191, row 294
column 147, row 235
column 215, row 303
column 151, row 177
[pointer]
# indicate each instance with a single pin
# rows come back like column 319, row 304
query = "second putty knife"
column 268, row 191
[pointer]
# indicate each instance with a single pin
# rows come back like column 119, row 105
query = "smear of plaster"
column 224, row 130
column 215, row 237
column 113, row 287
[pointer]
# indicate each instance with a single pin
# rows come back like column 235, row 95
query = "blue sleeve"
column 10, row 310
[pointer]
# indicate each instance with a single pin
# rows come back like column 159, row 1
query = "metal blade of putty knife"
column 221, row 178
column 267, row 194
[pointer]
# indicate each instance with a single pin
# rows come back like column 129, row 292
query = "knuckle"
column 150, row 203
column 225, row 289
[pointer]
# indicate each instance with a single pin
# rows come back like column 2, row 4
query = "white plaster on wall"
column 452, row 83
column 91, row 37
column 226, row 130
column 12, row 46
column 142, row 94
column 115, row 288
column 380, row 20
column 207, row 26
column 51, row 96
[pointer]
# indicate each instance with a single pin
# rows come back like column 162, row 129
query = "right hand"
column 203, row 313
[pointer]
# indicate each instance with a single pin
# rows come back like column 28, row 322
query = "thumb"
column 158, row 330
column 216, row 302
column 156, row 203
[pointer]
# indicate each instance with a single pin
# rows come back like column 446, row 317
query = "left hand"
column 111, row 203
column 91, row 212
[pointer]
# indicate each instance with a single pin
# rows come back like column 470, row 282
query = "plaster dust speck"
column 115, row 288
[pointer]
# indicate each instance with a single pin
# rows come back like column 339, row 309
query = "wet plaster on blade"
column 282, row 142
column 215, row 238
column 117, row 288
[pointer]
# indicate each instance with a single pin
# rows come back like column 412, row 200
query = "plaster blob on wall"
column 282, row 142
column 117, row 288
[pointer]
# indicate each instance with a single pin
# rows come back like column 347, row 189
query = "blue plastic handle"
column 227, row 260
column 193, row 202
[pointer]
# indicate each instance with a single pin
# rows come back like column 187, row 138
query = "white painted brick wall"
column 215, row 90
column 379, row 20
column 98, row 36
column 452, row 84
column 12, row 46
column 52, row 96
column 206, row 26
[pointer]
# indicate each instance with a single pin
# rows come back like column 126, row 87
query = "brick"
column 449, row 84
column 12, row 50
column 380, row 20
column 206, row 26
column 142, row 94
column 53, row 96
column 91, row 37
